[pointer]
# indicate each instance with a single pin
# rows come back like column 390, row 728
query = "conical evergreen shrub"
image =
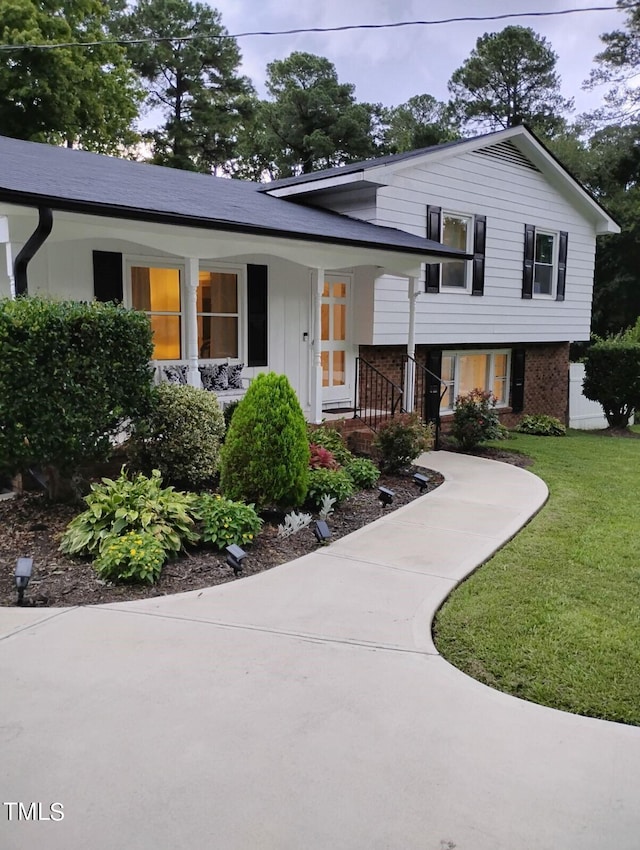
column 265, row 458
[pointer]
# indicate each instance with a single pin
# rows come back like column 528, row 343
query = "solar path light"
column 22, row 577
column 235, row 557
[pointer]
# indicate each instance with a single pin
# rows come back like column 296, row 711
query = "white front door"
column 337, row 366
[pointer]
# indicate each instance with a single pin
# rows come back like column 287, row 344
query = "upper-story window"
column 457, row 232
column 544, row 267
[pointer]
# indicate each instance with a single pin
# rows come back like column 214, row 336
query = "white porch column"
column 4, row 238
column 410, row 376
column 192, row 268
column 316, row 372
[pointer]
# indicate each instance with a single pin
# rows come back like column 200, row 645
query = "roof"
column 33, row 174
column 376, row 171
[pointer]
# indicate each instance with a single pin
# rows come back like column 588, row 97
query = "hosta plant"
column 139, row 504
column 137, row 556
column 542, row 425
column 225, row 522
column 330, row 482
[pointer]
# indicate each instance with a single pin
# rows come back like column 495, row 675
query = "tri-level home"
column 391, row 284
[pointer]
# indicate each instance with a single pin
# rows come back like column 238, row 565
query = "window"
column 463, row 371
column 218, row 315
column 156, row 291
column 457, row 231
column 544, row 263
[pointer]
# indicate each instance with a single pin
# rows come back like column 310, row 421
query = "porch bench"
column 223, row 379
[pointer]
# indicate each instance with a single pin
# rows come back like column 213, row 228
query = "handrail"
column 376, row 396
column 420, row 393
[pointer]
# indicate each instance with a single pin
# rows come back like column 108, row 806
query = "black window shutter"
column 257, row 295
column 432, row 270
column 529, row 257
column 562, row 265
column 107, row 276
column 432, row 396
column 517, row 379
column 479, row 246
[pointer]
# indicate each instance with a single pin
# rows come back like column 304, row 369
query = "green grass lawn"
column 554, row 617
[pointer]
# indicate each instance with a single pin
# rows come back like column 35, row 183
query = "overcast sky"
column 390, row 66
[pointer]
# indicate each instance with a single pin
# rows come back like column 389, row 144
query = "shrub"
column 612, row 377
column 228, row 412
column 363, row 472
column 321, row 458
column 225, row 522
column 136, row 556
column 330, row 482
column 181, row 437
column 265, row 457
column 117, row 507
column 331, row 439
column 475, row 419
column 401, row 440
column 70, row 375
column 544, row 426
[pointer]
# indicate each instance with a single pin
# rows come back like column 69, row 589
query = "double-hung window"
column 545, row 263
column 457, row 232
column 155, row 290
column 463, row 371
column 218, row 315
column 544, row 273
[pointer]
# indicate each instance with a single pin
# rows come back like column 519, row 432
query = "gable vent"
column 508, row 152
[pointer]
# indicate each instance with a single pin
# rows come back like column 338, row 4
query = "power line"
column 6, row 48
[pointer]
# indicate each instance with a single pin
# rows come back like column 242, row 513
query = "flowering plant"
column 225, row 522
column 135, row 556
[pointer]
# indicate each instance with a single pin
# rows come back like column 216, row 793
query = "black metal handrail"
column 376, row 397
column 422, row 388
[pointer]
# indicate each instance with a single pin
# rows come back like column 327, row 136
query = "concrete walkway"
column 306, row 708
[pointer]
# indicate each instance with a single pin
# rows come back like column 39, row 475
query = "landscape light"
column 385, row 496
column 421, row 480
column 322, row 531
column 22, row 576
column 235, row 557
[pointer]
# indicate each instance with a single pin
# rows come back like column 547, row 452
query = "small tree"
column 265, row 457
column 70, row 374
column 612, row 377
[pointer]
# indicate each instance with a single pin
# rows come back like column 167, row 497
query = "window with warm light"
column 463, row 371
column 156, row 292
column 218, row 315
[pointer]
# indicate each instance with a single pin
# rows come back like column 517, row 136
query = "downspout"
column 31, row 248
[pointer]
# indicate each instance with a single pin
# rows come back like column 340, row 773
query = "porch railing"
column 422, row 391
column 377, row 398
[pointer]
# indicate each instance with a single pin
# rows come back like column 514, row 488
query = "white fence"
column 583, row 414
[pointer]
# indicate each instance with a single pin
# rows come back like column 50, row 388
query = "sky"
column 390, row 66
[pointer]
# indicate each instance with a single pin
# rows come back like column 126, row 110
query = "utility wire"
column 6, row 48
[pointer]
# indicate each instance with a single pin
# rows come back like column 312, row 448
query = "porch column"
column 192, row 268
column 316, row 394
column 410, row 375
column 4, row 238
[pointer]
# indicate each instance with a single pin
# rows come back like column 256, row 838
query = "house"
column 396, row 282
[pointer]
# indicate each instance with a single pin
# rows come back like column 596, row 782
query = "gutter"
column 31, row 248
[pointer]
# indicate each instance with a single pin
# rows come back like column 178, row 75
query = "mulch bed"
column 32, row 526
column 511, row 456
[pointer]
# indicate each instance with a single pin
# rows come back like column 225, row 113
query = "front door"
column 336, row 357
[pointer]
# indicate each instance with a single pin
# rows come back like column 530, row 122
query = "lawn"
column 554, row 617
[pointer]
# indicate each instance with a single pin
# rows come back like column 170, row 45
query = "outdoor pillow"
column 235, row 376
column 176, row 374
column 215, row 377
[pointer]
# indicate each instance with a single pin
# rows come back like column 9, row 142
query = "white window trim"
column 130, row 260
column 491, row 353
column 550, row 296
column 241, row 273
column 469, row 250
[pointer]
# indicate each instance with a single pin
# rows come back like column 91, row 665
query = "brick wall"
column 545, row 384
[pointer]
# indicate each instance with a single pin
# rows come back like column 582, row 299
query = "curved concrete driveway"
column 306, row 709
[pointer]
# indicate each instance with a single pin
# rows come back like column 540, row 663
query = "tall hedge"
column 265, row 457
column 70, row 373
column 612, row 377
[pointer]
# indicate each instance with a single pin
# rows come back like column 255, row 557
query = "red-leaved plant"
column 321, row 458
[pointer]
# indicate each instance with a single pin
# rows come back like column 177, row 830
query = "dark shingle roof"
column 35, row 174
column 354, row 167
